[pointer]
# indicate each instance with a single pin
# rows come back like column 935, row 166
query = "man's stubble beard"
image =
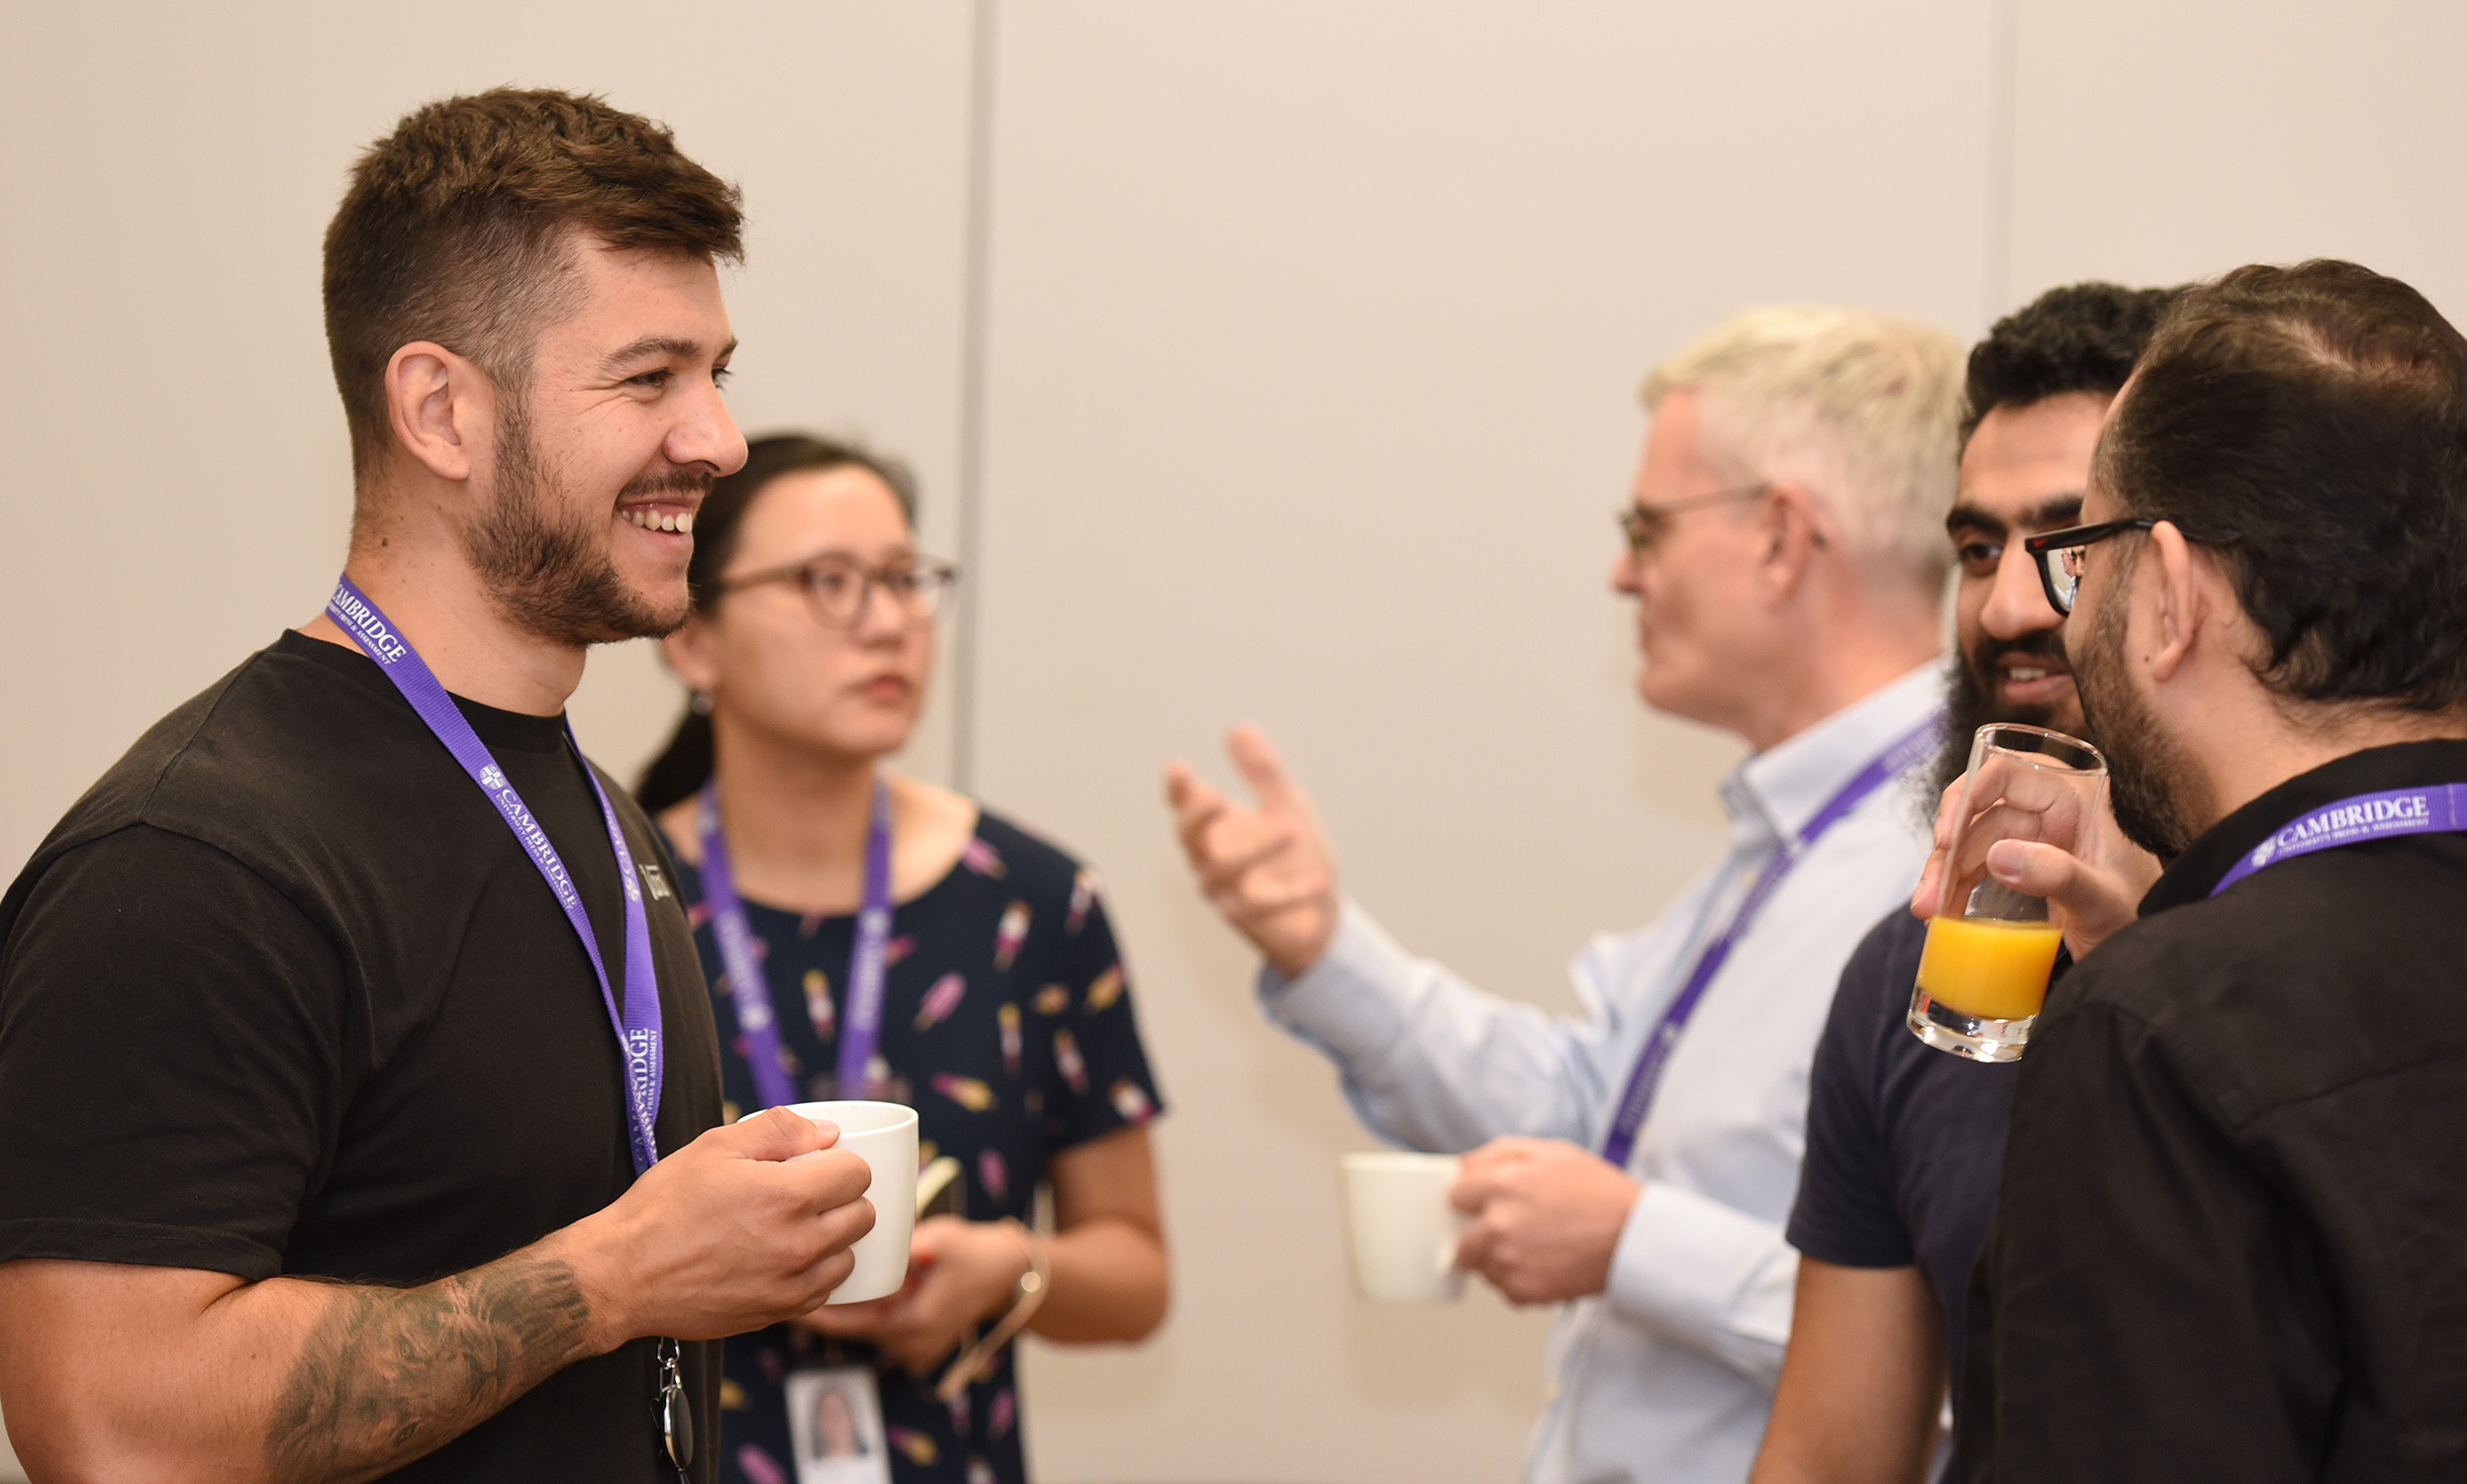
column 2150, row 778
column 549, row 571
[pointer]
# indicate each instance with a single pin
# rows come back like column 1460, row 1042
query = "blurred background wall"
column 1270, row 361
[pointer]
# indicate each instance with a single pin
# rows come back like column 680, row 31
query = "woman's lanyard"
column 1910, row 748
column 861, row 1024
column 638, row 1019
column 2430, row 811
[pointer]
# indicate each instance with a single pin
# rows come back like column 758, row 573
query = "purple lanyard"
column 861, row 1024
column 2429, row 810
column 638, row 1022
column 1910, row 748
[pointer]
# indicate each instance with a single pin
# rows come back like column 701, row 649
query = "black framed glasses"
column 1644, row 524
column 2062, row 555
column 837, row 589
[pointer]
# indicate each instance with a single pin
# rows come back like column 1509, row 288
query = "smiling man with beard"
column 2226, row 1245
column 345, row 1023
column 1902, row 1139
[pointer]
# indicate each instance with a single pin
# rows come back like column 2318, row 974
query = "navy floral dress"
column 1006, row 1016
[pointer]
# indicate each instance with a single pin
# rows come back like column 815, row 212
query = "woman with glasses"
column 991, row 998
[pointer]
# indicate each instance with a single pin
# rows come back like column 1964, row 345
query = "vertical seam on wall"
column 2003, row 63
column 976, row 270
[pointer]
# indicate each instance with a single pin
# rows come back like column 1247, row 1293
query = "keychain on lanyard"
column 1906, row 751
column 860, row 1031
column 636, row 1018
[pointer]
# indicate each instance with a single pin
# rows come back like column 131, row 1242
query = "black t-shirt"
column 2231, row 1238
column 1903, row 1141
column 282, row 994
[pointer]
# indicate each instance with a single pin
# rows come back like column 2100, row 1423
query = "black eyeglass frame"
column 2049, row 547
column 940, row 576
column 1631, row 517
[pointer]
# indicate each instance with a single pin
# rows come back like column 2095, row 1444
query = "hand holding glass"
column 1983, row 974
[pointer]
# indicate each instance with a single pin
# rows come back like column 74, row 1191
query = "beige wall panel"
column 1315, row 343
column 178, row 485
column 2155, row 143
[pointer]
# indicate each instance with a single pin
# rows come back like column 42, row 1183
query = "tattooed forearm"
column 389, row 1375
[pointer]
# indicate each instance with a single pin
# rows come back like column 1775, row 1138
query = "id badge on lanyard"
column 835, row 1427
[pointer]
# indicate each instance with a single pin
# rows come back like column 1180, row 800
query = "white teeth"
column 654, row 521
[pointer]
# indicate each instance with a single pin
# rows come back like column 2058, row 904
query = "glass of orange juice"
column 1990, row 950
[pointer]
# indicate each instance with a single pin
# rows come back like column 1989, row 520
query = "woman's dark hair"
column 2082, row 338
column 2319, row 414
column 685, row 764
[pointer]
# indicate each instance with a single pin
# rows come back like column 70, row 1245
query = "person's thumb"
column 1260, row 765
column 2032, row 868
column 778, row 1134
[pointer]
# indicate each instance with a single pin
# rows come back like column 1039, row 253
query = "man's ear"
column 1788, row 528
column 2184, row 598
column 440, row 406
column 687, row 653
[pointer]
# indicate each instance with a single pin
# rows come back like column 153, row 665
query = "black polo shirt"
column 2232, row 1237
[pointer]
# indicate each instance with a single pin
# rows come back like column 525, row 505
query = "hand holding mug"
column 1547, row 1217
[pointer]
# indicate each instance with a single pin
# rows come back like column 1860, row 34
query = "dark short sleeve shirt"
column 1903, row 1141
column 282, row 996
column 2231, row 1238
column 1008, row 1023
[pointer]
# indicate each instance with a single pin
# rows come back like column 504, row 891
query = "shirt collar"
column 2191, row 877
column 1775, row 793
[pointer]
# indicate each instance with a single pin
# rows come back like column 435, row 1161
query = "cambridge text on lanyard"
column 861, row 1023
column 636, row 1018
column 1910, row 748
column 2435, row 808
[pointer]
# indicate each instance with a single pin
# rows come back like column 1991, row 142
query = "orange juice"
column 1987, row 967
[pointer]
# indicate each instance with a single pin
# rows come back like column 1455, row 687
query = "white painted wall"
column 1312, row 336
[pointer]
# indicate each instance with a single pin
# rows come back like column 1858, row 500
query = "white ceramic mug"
column 884, row 1135
column 1402, row 1231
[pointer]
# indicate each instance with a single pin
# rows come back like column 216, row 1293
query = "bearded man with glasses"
column 2225, row 1245
column 1636, row 1165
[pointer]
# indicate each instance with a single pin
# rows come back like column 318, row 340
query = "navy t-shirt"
column 1904, row 1142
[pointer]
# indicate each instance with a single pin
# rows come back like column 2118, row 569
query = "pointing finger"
column 1260, row 765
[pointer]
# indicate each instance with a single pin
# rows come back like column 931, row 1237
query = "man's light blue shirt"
column 1667, row 1376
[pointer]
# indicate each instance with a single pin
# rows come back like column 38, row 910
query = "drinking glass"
column 1983, row 974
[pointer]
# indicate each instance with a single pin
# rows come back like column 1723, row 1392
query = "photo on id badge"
column 835, row 1422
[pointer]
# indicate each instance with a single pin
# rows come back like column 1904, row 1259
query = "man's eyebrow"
column 2049, row 514
column 2056, row 510
column 648, row 347
column 1966, row 516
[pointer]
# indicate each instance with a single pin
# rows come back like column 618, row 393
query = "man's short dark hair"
column 2313, row 420
column 458, row 228
column 2081, row 337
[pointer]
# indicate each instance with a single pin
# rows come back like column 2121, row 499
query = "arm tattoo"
column 389, row 1375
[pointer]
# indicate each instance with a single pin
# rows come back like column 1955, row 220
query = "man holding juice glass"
column 2227, row 1242
column 1903, row 1140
